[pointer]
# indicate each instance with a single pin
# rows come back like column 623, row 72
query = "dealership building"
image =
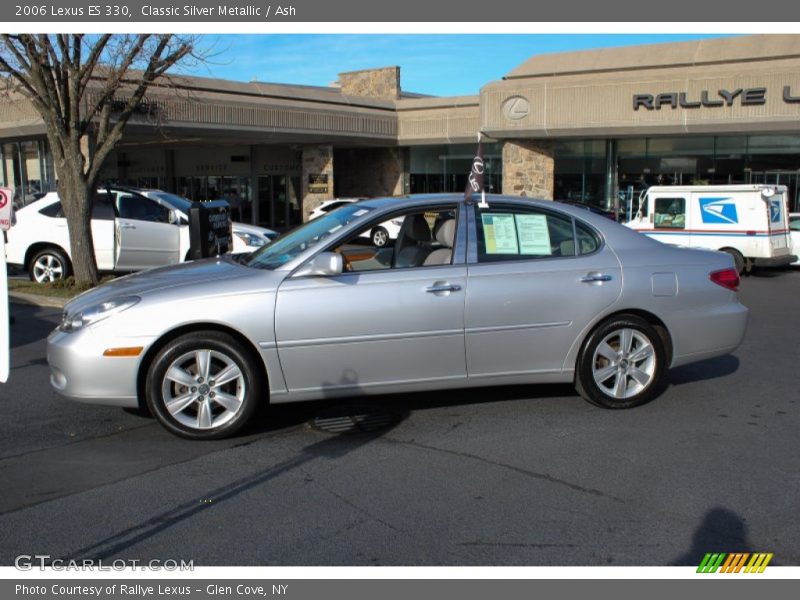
column 594, row 126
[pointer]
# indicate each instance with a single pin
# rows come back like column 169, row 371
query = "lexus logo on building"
column 516, row 108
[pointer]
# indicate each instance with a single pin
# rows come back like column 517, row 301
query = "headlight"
column 97, row 312
column 250, row 239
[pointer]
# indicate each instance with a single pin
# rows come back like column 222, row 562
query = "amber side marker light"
column 135, row 351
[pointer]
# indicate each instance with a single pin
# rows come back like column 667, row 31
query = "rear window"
column 333, row 206
column 54, row 210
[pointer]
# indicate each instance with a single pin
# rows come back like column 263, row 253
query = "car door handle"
column 443, row 287
column 127, row 226
column 594, row 277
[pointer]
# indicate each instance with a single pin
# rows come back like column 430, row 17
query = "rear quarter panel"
column 702, row 318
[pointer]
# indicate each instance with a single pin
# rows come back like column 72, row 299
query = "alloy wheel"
column 624, row 363
column 203, row 389
column 47, row 268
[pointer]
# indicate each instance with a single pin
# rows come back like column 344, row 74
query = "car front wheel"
column 380, row 237
column 621, row 364
column 203, row 386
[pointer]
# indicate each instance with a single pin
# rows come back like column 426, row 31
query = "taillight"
column 727, row 278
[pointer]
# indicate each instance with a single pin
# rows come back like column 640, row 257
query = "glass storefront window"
column 676, row 160
column 435, row 169
column 580, row 168
column 27, row 169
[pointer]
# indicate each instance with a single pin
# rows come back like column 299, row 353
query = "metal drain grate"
column 354, row 420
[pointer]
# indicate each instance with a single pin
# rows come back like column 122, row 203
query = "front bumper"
column 79, row 371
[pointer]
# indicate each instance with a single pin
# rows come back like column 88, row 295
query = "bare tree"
column 86, row 88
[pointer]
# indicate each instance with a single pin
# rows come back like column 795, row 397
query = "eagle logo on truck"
column 775, row 211
column 718, row 210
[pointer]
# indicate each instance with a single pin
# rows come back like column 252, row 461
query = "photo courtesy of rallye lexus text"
column 515, row 291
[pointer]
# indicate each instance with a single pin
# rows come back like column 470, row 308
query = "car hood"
column 213, row 274
column 254, row 229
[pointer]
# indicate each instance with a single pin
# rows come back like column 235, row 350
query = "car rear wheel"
column 738, row 259
column 621, row 364
column 203, row 386
column 49, row 265
column 380, row 237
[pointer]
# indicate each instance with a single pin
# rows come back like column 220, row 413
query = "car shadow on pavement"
column 31, row 323
column 721, row 530
column 703, row 370
column 331, row 448
column 276, row 417
column 348, row 424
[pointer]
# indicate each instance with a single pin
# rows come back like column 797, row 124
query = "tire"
column 612, row 380
column 198, row 413
column 379, row 237
column 738, row 259
column 49, row 264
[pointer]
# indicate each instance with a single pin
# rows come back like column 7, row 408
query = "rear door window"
column 521, row 233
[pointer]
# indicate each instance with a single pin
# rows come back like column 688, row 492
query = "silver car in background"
column 515, row 292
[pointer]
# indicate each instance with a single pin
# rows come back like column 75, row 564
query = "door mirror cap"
column 174, row 217
column 323, row 264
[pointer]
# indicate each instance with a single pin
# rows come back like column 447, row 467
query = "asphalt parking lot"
column 495, row 476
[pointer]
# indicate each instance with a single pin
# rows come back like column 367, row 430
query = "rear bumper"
column 708, row 334
column 775, row 261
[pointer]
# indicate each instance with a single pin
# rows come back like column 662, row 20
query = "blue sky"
column 440, row 65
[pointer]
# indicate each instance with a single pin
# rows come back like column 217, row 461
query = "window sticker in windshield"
column 358, row 213
column 534, row 237
column 500, row 233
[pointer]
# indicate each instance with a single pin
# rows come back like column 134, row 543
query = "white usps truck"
column 749, row 222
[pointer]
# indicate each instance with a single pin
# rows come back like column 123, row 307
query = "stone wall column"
column 317, row 161
column 528, row 168
column 370, row 172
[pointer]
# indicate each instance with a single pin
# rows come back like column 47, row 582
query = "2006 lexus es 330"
column 518, row 291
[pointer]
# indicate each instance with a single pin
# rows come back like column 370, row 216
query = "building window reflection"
column 436, row 169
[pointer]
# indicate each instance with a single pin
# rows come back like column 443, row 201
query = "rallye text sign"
column 710, row 99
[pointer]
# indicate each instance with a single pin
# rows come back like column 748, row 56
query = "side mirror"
column 174, row 218
column 325, row 264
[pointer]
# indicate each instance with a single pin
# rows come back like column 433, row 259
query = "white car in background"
column 380, row 235
column 132, row 230
column 794, row 229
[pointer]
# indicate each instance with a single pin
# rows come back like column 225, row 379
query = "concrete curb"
column 35, row 299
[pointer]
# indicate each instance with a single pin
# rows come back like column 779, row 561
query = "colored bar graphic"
column 734, row 562
column 758, row 563
column 711, row 562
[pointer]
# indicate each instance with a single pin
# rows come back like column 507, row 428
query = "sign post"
column 6, row 204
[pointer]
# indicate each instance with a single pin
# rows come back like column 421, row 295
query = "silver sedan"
column 514, row 292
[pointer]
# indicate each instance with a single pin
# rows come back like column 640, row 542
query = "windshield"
column 182, row 204
column 294, row 242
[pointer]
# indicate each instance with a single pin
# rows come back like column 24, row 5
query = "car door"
column 145, row 237
column 380, row 327
column 104, row 231
column 535, row 282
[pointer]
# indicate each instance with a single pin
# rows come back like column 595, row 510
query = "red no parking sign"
column 6, row 197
